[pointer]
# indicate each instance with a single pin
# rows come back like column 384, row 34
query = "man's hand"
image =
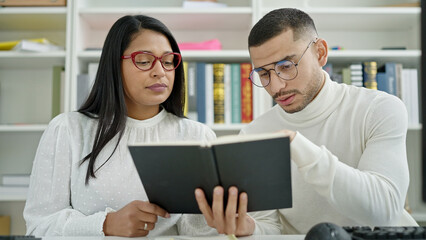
column 226, row 221
column 135, row 219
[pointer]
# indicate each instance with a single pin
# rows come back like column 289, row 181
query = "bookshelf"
column 367, row 26
column 26, row 90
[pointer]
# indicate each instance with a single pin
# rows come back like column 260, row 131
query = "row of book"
column 219, row 93
column 391, row 77
column 216, row 93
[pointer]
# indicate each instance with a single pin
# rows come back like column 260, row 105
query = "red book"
column 246, row 94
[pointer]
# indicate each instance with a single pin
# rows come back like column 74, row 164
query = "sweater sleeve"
column 48, row 209
column 267, row 222
column 373, row 193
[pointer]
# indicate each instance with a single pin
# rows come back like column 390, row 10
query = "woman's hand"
column 135, row 219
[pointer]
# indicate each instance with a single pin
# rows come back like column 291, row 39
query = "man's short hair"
column 279, row 20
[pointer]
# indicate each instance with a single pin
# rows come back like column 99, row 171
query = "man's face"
column 292, row 95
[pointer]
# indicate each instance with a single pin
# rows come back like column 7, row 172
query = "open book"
column 256, row 164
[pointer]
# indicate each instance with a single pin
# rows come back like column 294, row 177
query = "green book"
column 236, row 93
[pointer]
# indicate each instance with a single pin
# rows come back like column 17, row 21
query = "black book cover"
column 258, row 165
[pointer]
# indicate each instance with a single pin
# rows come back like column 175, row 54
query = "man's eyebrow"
column 287, row 58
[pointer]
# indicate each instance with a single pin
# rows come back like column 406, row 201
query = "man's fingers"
column 243, row 225
column 204, row 206
column 231, row 211
column 242, row 211
column 217, row 207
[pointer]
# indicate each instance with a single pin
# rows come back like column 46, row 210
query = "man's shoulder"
column 367, row 97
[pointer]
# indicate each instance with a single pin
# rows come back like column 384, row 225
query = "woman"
column 83, row 180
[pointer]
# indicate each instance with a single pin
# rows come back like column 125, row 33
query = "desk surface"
column 258, row 237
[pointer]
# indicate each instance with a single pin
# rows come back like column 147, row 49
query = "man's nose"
column 276, row 83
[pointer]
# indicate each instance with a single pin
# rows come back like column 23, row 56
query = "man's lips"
column 285, row 100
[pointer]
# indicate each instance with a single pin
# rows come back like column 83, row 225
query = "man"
column 348, row 151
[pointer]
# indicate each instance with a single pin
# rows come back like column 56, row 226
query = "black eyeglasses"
column 285, row 69
column 145, row 61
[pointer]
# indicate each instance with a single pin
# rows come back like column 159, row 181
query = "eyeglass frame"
column 133, row 54
column 275, row 64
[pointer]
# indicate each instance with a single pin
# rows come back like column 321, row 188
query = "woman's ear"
column 322, row 51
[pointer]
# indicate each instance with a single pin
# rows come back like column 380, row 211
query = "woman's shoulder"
column 70, row 120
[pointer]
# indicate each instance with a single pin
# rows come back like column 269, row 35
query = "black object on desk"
column 331, row 231
column 415, row 232
column 327, row 231
column 18, row 237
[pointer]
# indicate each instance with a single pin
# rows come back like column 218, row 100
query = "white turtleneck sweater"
column 349, row 163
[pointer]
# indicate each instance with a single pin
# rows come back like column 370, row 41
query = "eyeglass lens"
column 144, row 61
column 284, row 69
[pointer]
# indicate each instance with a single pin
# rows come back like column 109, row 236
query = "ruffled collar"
column 131, row 122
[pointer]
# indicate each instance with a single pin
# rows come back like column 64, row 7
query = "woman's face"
column 144, row 91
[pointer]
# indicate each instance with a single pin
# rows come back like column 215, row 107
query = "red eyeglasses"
column 145, row 61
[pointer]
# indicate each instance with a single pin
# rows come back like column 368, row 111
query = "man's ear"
column 322, row 51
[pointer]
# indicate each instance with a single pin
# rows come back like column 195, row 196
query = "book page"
column 247, row 138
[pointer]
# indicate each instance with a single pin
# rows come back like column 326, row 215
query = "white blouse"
column 60, row 203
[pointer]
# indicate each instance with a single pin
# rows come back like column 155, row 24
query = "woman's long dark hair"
column 106, row 99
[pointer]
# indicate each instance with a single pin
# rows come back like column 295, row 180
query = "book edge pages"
column 247, row 138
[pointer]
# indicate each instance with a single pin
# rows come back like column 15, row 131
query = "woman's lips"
column 284, row 101
column 158, row 87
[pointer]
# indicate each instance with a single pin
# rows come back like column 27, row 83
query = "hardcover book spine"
column 398, row 77
column 369, row 75
column 56, row 90
column 246, row 94
column 209, row 94
column 346, row 76
column 356, row 74
column 386, row 78
column 382, row 84
column 390, row 71
column 201, row 91
column 228, row 93
column 236, row 92
column 192, row 90
column 219, row 92
column 185, row 73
